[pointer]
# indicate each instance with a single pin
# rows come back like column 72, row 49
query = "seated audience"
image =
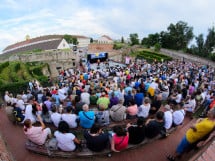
column 78, row 104
column 96, row 139
column 154, row 127
column 7, row 98
column 114, row 100
column 103, row 100
column 178, row 115
column 86, row 117
column 37, row 135
column 93, row 98
column 137, row 132
column 55, row 116
column 31, row 111
column 167, row 117
column 119, row 140
column 156, row 104
column 131, row 110
column 102, row 116
column 117, row 112
column 190, row 105
column 70, row 118
column 66, row 141
column 18, row 113
column 143, row 110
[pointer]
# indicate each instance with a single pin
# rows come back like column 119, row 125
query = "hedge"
column 14, row 88
column 151, row 56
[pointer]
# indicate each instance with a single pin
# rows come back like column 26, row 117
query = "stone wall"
column 44, row 56
column 63, row 59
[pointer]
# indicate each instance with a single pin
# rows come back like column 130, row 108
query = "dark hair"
column 132, row 102
column 69, row 109
column 77, row 98
column 94, row 129
column 27, row 124
column 63, row 127
column 54, row 108
column 34, row 109
column 44, row 109
column 140, row 121
column 119, row 130
column 160, row 115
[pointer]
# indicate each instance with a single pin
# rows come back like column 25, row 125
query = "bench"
column 84, row 152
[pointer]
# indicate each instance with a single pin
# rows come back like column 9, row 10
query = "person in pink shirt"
column 119, row 139
column 37, row 135
column 132, row 109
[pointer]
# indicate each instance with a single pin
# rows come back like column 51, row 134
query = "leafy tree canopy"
column 134, row 39
column 70, row 39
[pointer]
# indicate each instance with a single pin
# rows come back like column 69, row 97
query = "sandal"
column 171, row 158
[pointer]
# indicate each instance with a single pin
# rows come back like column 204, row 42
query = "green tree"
column 178, row 36
column 151, row 40
column 70, row 39
column 134, row 39
column 210, row 41
column 157, row 47
column 122, row 40
column 200, row 44
column 91, row 40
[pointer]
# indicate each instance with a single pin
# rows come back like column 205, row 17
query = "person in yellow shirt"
column 195, row 133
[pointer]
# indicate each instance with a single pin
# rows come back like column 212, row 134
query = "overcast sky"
column 94, row 18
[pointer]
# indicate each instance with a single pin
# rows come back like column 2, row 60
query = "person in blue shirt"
column 138, row 97
column 86, row 117
column 127, row 98
column 128, row 88
column 57, row 98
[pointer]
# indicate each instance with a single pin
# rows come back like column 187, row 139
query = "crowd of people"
column 157, row 95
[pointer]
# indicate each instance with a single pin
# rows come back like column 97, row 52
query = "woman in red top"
column 119, row 139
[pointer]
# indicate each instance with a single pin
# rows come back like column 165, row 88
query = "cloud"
column 115, row 18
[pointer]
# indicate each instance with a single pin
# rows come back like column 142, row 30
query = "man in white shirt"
column 55, row 116
column 168, row 118
column 178, row 116
column 85, row 97
column 20, row 103
column 7, row 98
column 70, row 118
column 191, row 104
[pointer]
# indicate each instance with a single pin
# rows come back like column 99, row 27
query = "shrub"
column 14, row 88
column 3, row 65
column 152, row 56
column 157, row 47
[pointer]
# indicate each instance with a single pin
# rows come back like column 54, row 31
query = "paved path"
column 181, row 55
